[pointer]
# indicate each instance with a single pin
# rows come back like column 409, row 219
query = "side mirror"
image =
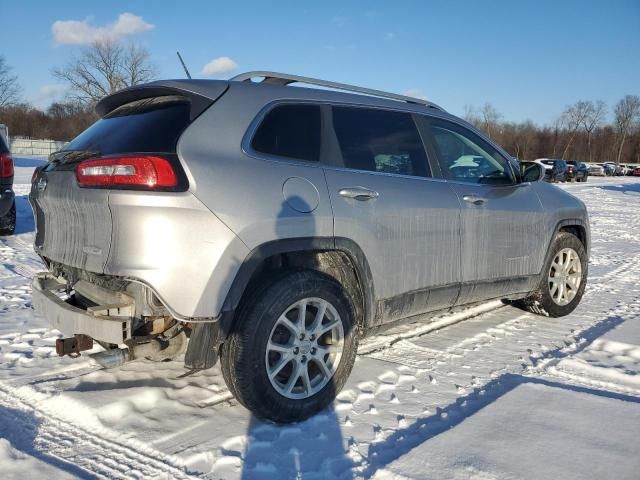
column 532, row 172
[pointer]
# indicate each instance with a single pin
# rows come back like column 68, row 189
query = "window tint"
column 464, row 156
column 3, row 146
column 148, row 125
column 379, row 141
column 291, row 131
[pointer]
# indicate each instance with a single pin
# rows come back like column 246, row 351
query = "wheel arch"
column 575, row 226
column 340, row 258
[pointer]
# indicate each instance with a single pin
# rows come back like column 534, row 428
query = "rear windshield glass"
column 147, row 125
column 3, row 146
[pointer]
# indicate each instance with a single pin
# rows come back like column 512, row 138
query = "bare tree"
column 627, row 114
column 490, row 119
column 9, row 88
column 137, row 65
column 594, row 116
column 573, row 118
column 525, row 137
column 104, row 68
column 470, row 115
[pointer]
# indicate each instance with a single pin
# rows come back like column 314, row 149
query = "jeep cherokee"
column 274, row 226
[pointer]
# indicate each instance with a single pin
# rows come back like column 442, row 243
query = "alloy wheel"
column 565, row 276
column 304, row 348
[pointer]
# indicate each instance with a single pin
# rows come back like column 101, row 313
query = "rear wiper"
column 71, row 156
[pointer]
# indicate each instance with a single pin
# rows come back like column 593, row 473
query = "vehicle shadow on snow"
column 315, row 447
column 28, row 162
column 21, row 430
column 310, row 449
column 24, row 219
column 624, row 188
column 423, row 429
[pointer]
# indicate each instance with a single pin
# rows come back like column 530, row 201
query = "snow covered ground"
column 502, row 394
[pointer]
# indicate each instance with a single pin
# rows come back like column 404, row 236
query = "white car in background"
column 596, row 169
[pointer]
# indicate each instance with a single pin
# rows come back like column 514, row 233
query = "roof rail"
column 275, row 78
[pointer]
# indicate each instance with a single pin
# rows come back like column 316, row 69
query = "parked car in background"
column 7, row 197
column 629, row 169
column 577, row 171
column 311, row 218
column 596, row 169
column 613, row 169
column 626, row 168
column 555, row 170
column 636, row 172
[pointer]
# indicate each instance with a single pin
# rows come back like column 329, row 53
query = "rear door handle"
column 358, row 193
column 474, row 200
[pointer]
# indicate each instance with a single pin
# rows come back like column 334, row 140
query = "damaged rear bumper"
column 109, row 322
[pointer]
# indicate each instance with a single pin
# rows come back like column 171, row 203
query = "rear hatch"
column 73, row 222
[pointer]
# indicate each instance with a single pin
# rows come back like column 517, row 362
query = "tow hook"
column 72, row 346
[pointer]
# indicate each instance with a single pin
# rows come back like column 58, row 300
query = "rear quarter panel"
column 173, row 243
column 245, row 191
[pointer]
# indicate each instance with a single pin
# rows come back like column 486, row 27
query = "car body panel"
column 212, row 150
column 174, row 244
column 418, row 250
column 73, row 225
column 500, row 237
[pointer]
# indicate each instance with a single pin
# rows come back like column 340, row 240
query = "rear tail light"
column 570, row 168
column 146, row 172
column 6, row 165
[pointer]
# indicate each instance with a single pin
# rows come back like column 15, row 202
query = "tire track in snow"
column 104, row 454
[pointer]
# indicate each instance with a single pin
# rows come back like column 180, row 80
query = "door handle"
column 358, row 193
column 474, row 200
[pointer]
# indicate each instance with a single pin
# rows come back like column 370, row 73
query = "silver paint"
column 417, row 233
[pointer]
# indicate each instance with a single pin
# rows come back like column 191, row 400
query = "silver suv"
column 274, row 226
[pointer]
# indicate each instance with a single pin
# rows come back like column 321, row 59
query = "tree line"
column 580, row 132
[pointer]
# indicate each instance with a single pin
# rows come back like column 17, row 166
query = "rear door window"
column 290, row 131
column 147, row 125
column 380, row 141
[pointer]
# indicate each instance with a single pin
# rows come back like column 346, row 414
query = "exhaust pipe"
column 119, row 356
column 156, row 349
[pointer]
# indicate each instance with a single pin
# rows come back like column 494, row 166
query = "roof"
column 277, row 83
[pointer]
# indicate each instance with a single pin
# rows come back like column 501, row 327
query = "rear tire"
column 274, row 362
column 8, row 221
column 563, row 281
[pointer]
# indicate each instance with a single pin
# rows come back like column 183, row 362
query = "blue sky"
column 529, row 59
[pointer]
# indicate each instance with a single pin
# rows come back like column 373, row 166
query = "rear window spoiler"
column 201, row 93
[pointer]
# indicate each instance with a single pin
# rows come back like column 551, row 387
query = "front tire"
column 292, row 348
column 564, row 278
column 8, row 221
